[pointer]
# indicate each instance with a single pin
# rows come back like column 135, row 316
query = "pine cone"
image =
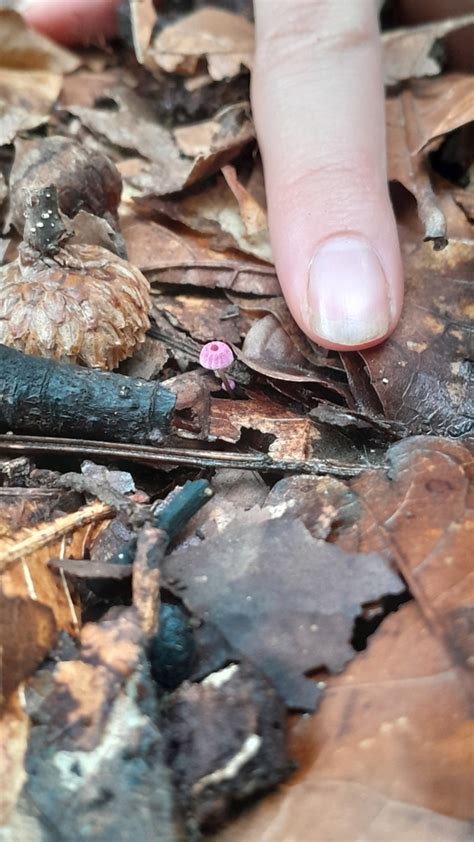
column 82, row 305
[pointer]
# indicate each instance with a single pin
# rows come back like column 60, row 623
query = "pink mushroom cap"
column 216, row 355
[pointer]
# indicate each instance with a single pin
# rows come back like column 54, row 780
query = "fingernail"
column 348, row 293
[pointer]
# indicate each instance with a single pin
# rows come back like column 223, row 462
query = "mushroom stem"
column 45, row 229
column 225, row 382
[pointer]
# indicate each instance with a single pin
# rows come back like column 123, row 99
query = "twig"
column 175, row 456
column 175, row 512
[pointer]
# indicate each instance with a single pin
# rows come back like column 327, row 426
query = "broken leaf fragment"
column 215, row 211
column 417, row 119
column 410, row 52
column 185, row 257
column 422, row 374
column 243, row 580
column 224, row 40
column 407, row 697
column 31, row 72
column 400, row 701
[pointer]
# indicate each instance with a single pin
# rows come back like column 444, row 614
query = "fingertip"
column 351, row 300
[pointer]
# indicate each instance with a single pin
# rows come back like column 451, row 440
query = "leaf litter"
column 154, row 636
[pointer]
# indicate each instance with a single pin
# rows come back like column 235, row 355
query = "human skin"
column 318, row 105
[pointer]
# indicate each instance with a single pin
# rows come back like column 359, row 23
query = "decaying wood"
column 39, row 395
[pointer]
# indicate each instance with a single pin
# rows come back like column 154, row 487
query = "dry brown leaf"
column 210, row 145
column 204, row 318
column 428, row 518
column 422, row 373
column 35, row 633
column 404, row 699
column 31, row 72
column 148, row 361
column 388, row 755
column 34, row 599
column 278, row 308
column 187, row 258
column 14, row 727
column 283, row 599
column 132, row 125
column 269, row 350
column 22, row 48
column 86, row 87
column 230, row 128
column 253, row 215
column 26, row 99
column 143, row 19
column 294, row 435
column 434, row 107
column 417, row 118
column 214, row 211
column 409, row 52
column 225, row 40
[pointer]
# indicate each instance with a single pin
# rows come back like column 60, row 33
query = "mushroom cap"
column 216, row 355
column 84, row 306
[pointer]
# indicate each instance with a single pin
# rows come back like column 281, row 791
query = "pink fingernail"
column 347, row 293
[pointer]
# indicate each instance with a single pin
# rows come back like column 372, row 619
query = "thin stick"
column 174, row 456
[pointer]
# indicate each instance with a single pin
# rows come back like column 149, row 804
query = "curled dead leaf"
column 225, row 40
column 409, row 52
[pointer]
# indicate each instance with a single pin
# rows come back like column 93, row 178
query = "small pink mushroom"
column 217, row 356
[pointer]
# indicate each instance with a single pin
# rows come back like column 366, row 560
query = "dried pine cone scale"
column 84, row 305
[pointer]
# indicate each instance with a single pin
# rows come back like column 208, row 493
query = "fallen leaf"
column 417, row 514
column 225, row 40
column 213, row 210
column 35, row 600
column 187, row 258
column 294, row 435
column 410, row 52
column 26, row 99
column 14, row 727
column 87, row 87
column 147, row 362
column 230, row 129
column 204, row 318
column 278, row 308
column 143, row 19
column 434, row 107
column 131, row 125
column 31, row 72
column 269, row 350
column 263, row 568
column 424, row 515
column 35, row 635
column 406, row 698
column 387, row 756
column 253, row 215
column 231, row 488
column 417, row 118
column 22, row 48
column 422, row 373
